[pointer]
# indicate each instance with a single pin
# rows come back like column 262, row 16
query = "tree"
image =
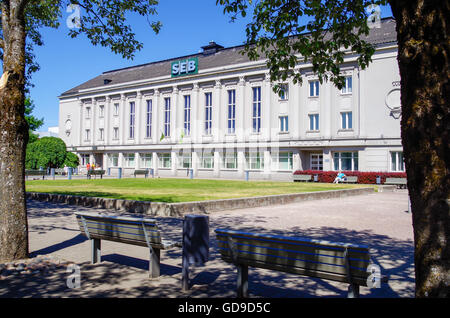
column 72, row 160
column 104, row 23
column 279, row 32
column 33, row 122
column 46, row 152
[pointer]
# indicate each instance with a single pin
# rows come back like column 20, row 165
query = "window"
column 165, row 160
column 347, row 89
column 116, row 109
column 187, row 115
column 229, row 160
column 284, row 92
column 148, row 119
column 132, row 119
column 316, row 161
column 167, row 116
column 208, row 113
column 314, row 122
column 88, row 112
column 231, row 111
column 185, row 160
column 87, row 135
column 113, row 160
column 207, row 160
column 346, row 161
column 282, row 161
column 101, row 134
column 146, row 160
column 256, row 115
column 115, row 133
column 313, row 88
column 101, row 111
column 254, row 160
column 85, row 159
column 129, row 160
column 284, row 124
column 397, row 163
column 346, row 120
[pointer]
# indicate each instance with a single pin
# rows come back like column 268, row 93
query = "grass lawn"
column 176, row 190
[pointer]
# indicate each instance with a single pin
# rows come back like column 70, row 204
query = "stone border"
column 204, row 207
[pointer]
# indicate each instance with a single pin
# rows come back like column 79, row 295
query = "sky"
column 186, row 27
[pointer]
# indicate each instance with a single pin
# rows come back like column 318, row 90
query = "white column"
column 156, row 134
column 107, row 120
column 195, row 161
column 216, row 109
column 240, row 107
column 217, row 164
column 93, row 123
column 138, row 118
column 196, row 120
column 175, row 131
column 80, row 124
column 267, row 163
column 241, row 162
column 137, row 159
column 123, row 120
column 174, row 160
column 327, row 160
column 266, row 107
column 155, row 163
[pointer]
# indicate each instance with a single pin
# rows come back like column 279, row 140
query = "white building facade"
column 216, row 113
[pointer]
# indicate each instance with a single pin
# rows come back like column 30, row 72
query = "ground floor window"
column 207, row 160
column 146, row 160
column 316, row 161
column 165, row 160
column 254, row 160
column 185, row 161
column 346, row 161
column 129, row 160
column 229, row 160
column 282, row 161
column 84, row 159
column 397, row 163
column 113, row 160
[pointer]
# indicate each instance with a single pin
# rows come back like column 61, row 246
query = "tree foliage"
column 71, row 160
column 46, row 152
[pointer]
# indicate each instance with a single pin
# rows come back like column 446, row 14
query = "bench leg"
column 96, row 251
column 242, row 281
column 154, row 263
column 353, row 291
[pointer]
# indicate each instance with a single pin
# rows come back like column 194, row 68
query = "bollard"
column 120, row 173
column 109, row 171
column 247, row 173
column 152, row 172
column 191, row 173
column 316, row 178
column 378, row 180
column 52, row 173
column 195, row 244
column 69, row 173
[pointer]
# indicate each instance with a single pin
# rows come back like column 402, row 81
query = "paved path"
column 379, row 220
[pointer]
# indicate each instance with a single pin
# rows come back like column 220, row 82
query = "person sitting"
column 339, row 178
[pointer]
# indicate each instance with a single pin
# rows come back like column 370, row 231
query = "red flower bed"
column 363, row 177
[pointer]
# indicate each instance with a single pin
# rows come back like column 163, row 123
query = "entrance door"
column 98, row 157
column 316, row 161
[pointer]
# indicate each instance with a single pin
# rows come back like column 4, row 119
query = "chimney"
column 211, row 48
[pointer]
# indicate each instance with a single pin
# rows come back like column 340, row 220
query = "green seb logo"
column 184, row 67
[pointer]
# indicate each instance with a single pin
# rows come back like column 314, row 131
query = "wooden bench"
column 399, row 182
column 42, row 173
column 95, row 173
column 348, row 263
column 125, row 229
column 141, row 172
column 350, row 179
column 302, row 177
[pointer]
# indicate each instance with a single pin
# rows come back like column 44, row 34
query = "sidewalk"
column 379, row 220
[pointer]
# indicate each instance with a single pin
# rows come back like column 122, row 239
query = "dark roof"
column 222, row 57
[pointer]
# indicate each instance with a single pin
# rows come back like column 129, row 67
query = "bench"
column 125, row 229
column 399, row 182
column 60, row 171
column 302, row 177
column 350, row 179
column 95, row 173
column 348, row 263
column 42, row 173
column 141, row 172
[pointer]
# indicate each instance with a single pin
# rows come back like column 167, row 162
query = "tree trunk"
column 423, row 57
column 13, row 136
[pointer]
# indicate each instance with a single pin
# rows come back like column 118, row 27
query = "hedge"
column 363, row 177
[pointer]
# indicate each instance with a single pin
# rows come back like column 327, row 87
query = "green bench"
column 399, row 182
column 350, row 179
column 141, row 172
column 95, row 173
column 302, row 177
column 42, row 173
column 348, row 263
column 125, row 229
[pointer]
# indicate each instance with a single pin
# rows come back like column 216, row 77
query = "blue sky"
column 187, row 25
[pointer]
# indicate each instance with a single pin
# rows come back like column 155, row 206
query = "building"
column 51, row 132
column 215, row 112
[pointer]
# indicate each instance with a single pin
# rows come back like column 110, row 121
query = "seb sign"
column 184, row 67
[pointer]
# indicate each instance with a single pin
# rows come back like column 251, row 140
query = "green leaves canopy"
column 290, row 32
column 46, row 152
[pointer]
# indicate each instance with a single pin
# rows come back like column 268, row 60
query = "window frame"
column 231, row 114
column 256, row 109
column 314, row 88
column 208, row 113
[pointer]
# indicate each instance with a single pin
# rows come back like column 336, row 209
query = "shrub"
column 369, row 177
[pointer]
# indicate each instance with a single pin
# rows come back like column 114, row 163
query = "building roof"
column 219, row 57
